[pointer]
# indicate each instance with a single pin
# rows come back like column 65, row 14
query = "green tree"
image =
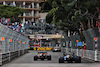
column 75, row 14
column 45, row 7
column 49, row 17
column 62, row 16
column 54, row 4
column 10, row 11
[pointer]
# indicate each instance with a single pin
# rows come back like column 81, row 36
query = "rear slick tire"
column 61, row 60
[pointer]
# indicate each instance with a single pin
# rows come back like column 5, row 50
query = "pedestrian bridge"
column 46, row 36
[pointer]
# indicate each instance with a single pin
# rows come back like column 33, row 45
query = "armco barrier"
column 98, row 56
column 12, row 44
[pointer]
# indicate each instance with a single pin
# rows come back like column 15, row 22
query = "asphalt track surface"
column 28, row 61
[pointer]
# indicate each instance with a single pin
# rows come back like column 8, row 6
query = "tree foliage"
column 74, row 14
column 10, row 11
column 49, row 17
column 45, row 6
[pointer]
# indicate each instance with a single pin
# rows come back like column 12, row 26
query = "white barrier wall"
column 98, row 56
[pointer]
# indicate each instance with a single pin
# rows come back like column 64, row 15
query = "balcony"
column 27, row 7
column 37, row 1
column 32, row 9
column 43, row 0
column 28, row 15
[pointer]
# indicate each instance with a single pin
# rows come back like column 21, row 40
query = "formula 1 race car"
column 42, row 55
column 70, row 58
column 56, row 49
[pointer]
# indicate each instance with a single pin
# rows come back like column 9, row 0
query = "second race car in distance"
column 56, row 49
column 70, row 58
column 42, row 55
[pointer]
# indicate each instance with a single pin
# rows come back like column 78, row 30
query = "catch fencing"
column 73, row 40
column 90, row 51
column 70, row 42
column 12, row 44
column 90, row 43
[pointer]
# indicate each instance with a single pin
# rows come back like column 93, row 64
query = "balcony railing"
column 37, row 7
column 37, row 0
column 37, row 15
column 25, row 6
column 30, row 15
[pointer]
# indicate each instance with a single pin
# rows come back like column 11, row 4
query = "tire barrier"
column 12, row 44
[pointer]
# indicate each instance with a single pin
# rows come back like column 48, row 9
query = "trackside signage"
column 79, row 43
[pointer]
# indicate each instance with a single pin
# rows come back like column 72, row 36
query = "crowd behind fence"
column 28, row 27
column 16, row 26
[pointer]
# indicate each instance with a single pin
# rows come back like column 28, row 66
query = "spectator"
column 17, row 27
column 30, row 22
column 25, row 26
column 0, row 21
column 24, row 4
column 11, row 4
column 14, row 5
column 8, row 24
column 26, row 22
column 29, row 6
column 6, row 4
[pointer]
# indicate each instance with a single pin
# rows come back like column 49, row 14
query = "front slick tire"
column 59, row 50
column 61, row 60
column 49, row 58
column 35, row 58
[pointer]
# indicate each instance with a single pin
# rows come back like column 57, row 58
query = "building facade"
column 32, row 9
column 43, row 0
